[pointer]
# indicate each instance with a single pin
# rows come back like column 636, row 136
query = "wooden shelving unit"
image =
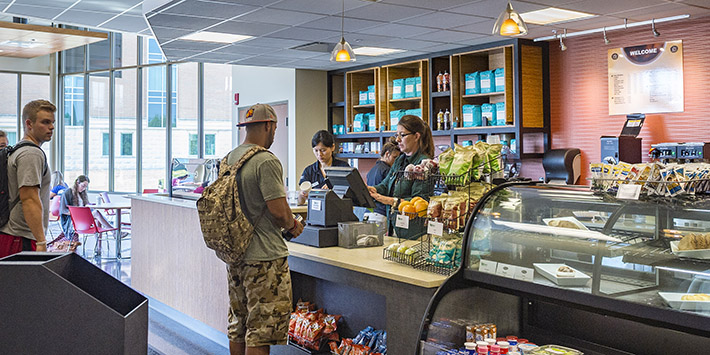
column 417, row 68
column 357, row 81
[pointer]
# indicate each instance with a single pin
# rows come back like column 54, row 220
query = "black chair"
column 562, row 166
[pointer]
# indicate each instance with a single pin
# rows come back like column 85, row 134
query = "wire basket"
column 412, row 259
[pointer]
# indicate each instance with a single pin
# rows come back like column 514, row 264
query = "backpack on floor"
column 226, row 229
column 5, row 206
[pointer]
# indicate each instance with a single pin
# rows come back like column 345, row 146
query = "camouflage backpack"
column 225, row 227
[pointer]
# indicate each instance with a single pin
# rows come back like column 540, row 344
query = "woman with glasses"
column 323, row 144
column 416, row 144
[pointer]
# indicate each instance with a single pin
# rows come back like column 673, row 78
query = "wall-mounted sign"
column 646, row 78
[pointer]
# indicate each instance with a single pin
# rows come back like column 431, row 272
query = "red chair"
column 150, row 191
column 84, row 223
column 54, row 205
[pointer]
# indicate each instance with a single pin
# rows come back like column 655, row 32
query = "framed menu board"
column 646, row 78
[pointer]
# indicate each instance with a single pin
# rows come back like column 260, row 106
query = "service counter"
column 171, row 263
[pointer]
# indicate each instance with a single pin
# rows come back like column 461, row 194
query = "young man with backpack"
column 259, row 282
column 26, row 203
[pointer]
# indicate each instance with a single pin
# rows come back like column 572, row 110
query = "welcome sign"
column 646, row 78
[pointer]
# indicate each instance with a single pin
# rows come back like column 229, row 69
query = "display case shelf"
column 483, row 95
column 368, row 106
column 406, row 99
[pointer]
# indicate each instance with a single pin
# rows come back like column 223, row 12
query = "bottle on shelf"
column 439, row 81
column 447, row 120
column 439, row 121
column 446, row 81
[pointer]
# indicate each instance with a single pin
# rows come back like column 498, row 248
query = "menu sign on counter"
column 646, row 78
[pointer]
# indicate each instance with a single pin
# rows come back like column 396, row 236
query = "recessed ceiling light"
column 215, row 37
column 553, row 15
column 375, row 51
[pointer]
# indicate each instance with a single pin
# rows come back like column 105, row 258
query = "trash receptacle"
column 56, row 303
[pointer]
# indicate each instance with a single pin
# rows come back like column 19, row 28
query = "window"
column 100, row 54
column 104, row 148
column 126, row 144
column 186, row 84
column 193, row 144
column 209, row 144
column 73, row 126
column 8, row 106
column 36, row 87
column 154, row 138
column 74, row 100
column 125, row 169
column 98, row 125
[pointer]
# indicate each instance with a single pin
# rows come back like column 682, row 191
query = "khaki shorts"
column 259, row 302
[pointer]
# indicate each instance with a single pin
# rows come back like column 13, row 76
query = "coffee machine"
column 627, row 146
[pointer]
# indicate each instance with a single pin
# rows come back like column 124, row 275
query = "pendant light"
column 510, row 23
column 342, row 51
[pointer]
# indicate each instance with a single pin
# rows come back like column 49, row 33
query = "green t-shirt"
column 261, row 181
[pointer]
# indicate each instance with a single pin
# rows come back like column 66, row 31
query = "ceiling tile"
column 34, row 11
column 428, row 4
column 280, row 17
column 385, row 13
column 307, row 34
column 445, row 36
column 87, row 18
column 173, row 53
column 612, row 6
column 259, row 3
column 360, row 39
column 127, row 23
column 192, row 45
column 481, row 27
column 408, row 44
column 445, row 20
column 165, row 34
column 54, row 3
column 246, row 28
column 113, row 6
column 267, row 42
column 243, row 49
column 296, row 54
column 216, row 57
column 441, row 47
column 493, row 8
column 209, row 9
column 660, row 11
column 318, row 6
column 181, row 22
column 334, row 23
column 397, row 30
column 261, row 61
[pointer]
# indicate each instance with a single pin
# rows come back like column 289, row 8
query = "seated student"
column 390, row 152
column 323, row 144
column 58, row 184
column 3, row 139
column 77, row 195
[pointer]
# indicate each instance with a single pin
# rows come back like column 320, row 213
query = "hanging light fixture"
column 653, row 28
column 510, row 23
column 342, row 51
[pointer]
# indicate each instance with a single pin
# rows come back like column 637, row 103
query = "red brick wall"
column 578, row 92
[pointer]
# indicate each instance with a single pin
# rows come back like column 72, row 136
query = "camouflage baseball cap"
column 258, row 113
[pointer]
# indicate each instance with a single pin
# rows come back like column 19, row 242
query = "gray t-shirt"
column 261, row 181
column 27, row 166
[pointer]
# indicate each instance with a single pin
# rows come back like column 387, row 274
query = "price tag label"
column 402, row 221
column 524, row 273
column 315, row 205
column 628, row 192
column 506, row 270
column 488, row 266
column 435, row 228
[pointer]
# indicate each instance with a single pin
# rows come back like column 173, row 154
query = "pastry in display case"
column 576, row 259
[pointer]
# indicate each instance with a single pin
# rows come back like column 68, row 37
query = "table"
column 118, row 206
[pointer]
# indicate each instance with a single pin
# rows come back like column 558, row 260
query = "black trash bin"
column 56, row 303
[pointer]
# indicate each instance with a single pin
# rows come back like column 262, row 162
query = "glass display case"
column 585, row 269
column 190, row 176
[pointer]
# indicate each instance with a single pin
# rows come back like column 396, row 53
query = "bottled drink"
column 439, row 81
column 287, row 234
column 439, row 121
column 447, row 120
column 446, row 81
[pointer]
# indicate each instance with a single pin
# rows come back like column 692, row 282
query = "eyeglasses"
column 402, row 135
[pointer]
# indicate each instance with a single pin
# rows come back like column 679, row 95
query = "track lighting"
column 562, row 44
column 606, row 40
column 653, row 28
column 626, row 25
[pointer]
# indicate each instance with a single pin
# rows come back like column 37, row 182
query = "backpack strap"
column 14, row 148
column 237, row 166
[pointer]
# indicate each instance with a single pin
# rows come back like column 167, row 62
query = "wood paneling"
column 531, row 76
column 578, row 92
column 171, row 263
column 47, row 39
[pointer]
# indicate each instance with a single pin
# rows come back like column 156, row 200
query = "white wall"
column 38, row 65
column 311, row 114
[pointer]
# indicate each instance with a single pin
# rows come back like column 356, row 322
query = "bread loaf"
column 695, row 241
column 696, row 297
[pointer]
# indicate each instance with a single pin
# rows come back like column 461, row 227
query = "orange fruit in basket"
column 421, row 207
column 409, row 210
column 403, row 204
column 415, row 199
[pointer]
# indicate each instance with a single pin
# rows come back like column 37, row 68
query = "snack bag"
column 672, row 185
column 481, row 159
column 462, row 160
column 495, row 159
column 445, row 160
column 435, row 208
column 596, row 172
column 607, row 173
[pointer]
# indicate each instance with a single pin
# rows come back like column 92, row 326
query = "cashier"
column 323, row 144
column 416, row 144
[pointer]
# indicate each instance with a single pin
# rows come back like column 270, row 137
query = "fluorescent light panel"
column 553, row 15
column 215, row 37
column 375, row 51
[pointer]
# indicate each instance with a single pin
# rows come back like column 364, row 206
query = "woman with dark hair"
column 389, row 153
column 416, row 144
column 323, row 144
column 77, row 195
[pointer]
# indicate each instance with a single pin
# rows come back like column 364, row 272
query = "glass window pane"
column 209, row 144
column 218, row 109
column 8, row 106
column 154, row 135
column 151, row 52
column 193, row 144
column 73, row 60
column 105, row 144
column 73, row 112
column 36, row 87
column 125, row 96
column 186, row 84
column 126, row 53
column 98, row 126
column 99, row 56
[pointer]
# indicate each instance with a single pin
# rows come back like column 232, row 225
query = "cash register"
column 328, row 207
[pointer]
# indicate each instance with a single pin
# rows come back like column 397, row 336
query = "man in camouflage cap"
column 260, row 284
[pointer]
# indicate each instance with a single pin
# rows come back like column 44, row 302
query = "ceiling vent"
column 320, row 47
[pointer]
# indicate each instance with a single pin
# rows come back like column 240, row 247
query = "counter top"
column 187, row 203
column 368, row 261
